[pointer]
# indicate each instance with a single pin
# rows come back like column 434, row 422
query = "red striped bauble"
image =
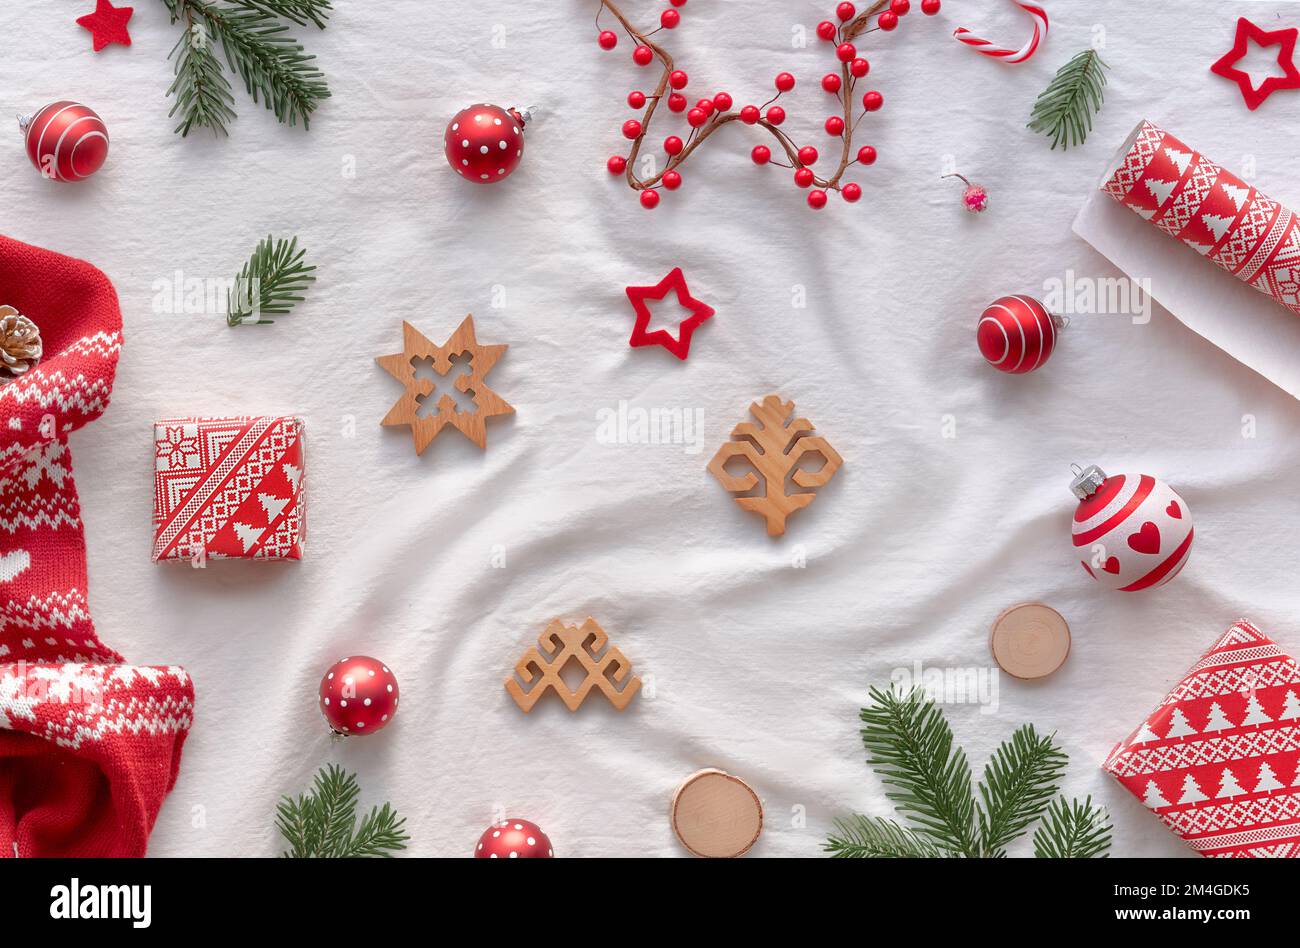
column 1016, row 334
column 66, row 141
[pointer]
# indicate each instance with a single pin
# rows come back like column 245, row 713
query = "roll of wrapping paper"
column 1211, row 210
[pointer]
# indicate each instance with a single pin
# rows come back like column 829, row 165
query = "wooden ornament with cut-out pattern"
column 541, row 668
column 411, row 408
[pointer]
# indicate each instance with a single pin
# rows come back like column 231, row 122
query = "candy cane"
column 986, row 47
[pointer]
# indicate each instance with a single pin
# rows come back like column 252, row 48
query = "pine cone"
column 20, row 342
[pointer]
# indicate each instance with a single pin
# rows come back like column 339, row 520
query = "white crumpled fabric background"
column 863, row 315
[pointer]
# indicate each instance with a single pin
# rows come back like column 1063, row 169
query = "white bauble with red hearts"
column 1132, row 531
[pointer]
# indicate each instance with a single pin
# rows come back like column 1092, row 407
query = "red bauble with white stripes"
column 358, row 695
column 1131, row 531
column 514, row 839
column 66, row 141
column 1016, row 334
column 485, row 143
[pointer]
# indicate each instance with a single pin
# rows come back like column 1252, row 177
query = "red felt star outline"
column 1226, row 67
column 679, row 345
column 107, row 24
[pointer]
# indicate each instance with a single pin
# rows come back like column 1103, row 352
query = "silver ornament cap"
column 1087, row 481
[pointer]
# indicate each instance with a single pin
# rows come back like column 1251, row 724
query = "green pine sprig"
column 271, row 282
column 911, row 747
column 1067, row 105
column 1073, row 830
column 322, row 824
column 253, row 34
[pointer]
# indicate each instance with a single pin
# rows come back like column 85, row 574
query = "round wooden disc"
column 1030, row 640
column 716, row 815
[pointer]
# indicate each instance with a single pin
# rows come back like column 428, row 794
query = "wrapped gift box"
column 1217, row 760
column 228, row 488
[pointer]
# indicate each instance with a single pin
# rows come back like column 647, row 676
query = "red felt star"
column 680, row 345
column 1285, row 58
column 107, row 24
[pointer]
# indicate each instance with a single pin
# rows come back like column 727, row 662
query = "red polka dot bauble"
column 358, row 695
column 1016, row 334
column 514, row 839
column 1132, row 531
column 484, row 143
column 66, row 141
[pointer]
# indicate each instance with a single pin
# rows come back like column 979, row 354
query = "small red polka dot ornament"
column 66, row 141
column 1016, row 334
column 358, row 695
column 1132, row 531
column 514, row 839
column 485, row 143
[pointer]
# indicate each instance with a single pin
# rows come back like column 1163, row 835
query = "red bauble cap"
column 358, row 695
column 66, row 141
column 484, row 143
column 514, row 839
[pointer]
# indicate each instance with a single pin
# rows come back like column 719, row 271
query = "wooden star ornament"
column 461, row 364
column 107, row 24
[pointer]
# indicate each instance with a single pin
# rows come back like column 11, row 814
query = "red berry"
column 649, row 198
column 867, row 155
column 722, row 102
column 929, row 7
column 851, row 192
column 784, row 82
column 749, row 114
column 706, row 105
column 831, row 83
column 673, row 145
column 642, row 55
column 872, row 100
column 761, row 154
column 676, row 102
column 816, row 200
column 776, row 115
column 669, row 19
column 677, row 79
column 845, row 52
column 826, row 30
column 835, row 125
column 807, row 155
column 696, row 117
column 672, row 180
column 859, row 67
column 631, row 129
column 608, row 39
column 678, row 3
column 636, row 99
column 888, row 21
column 845, row 11
column 900, row 7
column 617, row 164
column 803, row 177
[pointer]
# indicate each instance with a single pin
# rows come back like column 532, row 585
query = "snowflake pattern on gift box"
column 178, row 447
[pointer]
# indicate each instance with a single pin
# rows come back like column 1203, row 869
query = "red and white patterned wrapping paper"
column 229, row 488
column 1217, row 760
column 1212, row 211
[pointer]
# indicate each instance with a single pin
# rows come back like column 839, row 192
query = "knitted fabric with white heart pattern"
column 89, row 745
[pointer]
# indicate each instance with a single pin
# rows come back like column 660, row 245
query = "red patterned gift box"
column 1211, row 210
column 228, row 487
column 1217, row 760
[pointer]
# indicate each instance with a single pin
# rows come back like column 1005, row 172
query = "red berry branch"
column 710, row 114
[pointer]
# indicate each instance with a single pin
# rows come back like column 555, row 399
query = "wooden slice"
column 716, row 815
column 1030, row 640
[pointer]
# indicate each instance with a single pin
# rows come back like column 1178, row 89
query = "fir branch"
column 299, row 11
column 912, row 750
column 321, row 824
column 272, row 281
column 1066, row 107
column 865, row 837
column 1019, row 783
column 1073, row 830
column 202, row 91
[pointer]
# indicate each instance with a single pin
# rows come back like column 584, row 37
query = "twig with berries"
column 710, row 114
